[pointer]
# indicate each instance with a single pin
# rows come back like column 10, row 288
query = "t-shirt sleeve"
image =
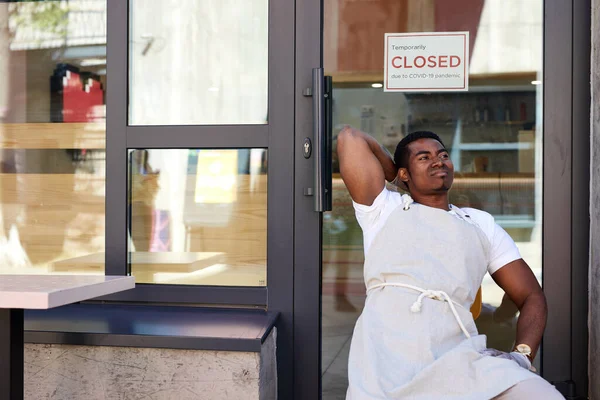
column 368, row 216
column 503, row 249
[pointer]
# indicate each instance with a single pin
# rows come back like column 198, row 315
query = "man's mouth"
column 440, row 173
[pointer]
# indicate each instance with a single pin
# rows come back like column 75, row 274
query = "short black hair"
column 401, row 154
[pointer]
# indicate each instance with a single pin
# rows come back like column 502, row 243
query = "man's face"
column 429, row 169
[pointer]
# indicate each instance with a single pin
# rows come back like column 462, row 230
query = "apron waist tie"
column 432, row 294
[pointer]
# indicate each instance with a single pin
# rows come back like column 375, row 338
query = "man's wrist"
column 525, row 350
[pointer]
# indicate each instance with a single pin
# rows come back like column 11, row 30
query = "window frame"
column 120, row 137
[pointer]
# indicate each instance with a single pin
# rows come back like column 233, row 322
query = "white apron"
column 410, row 345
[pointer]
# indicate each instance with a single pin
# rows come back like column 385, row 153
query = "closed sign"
column 426, row 62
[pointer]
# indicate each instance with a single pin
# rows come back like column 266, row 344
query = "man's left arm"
column 519, row 283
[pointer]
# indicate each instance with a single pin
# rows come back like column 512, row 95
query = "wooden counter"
column 145, row 261
column 91, row 135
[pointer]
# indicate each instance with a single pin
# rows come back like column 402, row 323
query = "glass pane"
column 494, row 133
column 198, row 62
column 198, row 217
column 52, row 136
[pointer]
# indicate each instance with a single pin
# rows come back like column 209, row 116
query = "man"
column 425, row 260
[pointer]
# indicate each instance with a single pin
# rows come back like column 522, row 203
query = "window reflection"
column 494, row 133
column 198, row 216
column 198, row 62
column 52, row 135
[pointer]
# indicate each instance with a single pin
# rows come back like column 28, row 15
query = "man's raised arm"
column 364, row 165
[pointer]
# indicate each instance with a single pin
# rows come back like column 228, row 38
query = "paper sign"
column 426, row 62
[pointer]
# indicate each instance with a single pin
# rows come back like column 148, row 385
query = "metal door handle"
column 322, row 91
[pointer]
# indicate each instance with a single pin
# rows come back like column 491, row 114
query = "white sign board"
column 426, row 62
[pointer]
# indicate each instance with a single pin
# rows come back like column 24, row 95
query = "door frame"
column 567, row 44
column 307, row 222
column 277, row 136
column 566, row 102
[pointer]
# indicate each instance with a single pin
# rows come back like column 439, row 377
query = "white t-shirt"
column 372, row 218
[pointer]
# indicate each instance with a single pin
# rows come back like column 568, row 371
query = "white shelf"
column 516, row 223
column 495, row 146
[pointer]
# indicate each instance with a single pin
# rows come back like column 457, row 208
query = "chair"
column 477, row 304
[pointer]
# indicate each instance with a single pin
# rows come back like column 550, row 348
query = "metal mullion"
column 116, row 149
column 191, row 294
column 280, row 196
column 11, row 353
column 308, row 228
column 580, row 194
column 226, row 136
column 557, row 167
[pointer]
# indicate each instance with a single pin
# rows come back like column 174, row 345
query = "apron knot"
column 439, row 295
column 432, row 294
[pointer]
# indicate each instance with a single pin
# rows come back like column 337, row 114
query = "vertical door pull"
column 322, row 92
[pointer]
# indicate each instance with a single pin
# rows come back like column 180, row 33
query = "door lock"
column 307, row 148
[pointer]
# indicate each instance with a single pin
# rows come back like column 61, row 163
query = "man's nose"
column 439, row 160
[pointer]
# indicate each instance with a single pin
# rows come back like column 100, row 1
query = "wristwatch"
column 525, row 350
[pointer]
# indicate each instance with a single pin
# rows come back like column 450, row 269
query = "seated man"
column 425, row 260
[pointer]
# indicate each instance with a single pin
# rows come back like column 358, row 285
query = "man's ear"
column 403, row 176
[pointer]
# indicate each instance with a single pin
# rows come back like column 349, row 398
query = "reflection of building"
column 52, row 175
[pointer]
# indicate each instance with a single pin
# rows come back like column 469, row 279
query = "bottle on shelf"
column 499, row 115
column 507, row 113
column 523, row 111
column 477, row 113
column 485, row 111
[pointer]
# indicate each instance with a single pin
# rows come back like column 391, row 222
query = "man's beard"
column 445, row 187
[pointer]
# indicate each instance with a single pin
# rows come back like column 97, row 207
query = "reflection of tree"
column 31, row 231
column 49, row 17
column 144, row 188
column 4, row 60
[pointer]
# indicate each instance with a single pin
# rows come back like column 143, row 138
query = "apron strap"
column 439, row 295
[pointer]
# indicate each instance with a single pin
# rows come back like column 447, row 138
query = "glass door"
column 494, row 132
column 512, row 136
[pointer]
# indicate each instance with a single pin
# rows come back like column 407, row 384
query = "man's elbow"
column 345, row 136
column 537, row 299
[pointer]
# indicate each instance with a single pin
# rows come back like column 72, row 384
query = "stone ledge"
column 150, row 327
column 104, row 372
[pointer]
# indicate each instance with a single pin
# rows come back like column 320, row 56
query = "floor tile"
column 331, row 347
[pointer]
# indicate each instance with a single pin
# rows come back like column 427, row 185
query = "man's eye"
column 423, row 158
column 445, row 156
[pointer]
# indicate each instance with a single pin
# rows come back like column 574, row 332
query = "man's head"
column 424, row 163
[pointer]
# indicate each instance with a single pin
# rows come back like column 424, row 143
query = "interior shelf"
column 496, row 146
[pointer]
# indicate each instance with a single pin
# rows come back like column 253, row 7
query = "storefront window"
column 198, row 217
column 493, row 131
column 198, row 62
column 52, row 135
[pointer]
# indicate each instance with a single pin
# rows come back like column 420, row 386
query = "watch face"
column 524, row 349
